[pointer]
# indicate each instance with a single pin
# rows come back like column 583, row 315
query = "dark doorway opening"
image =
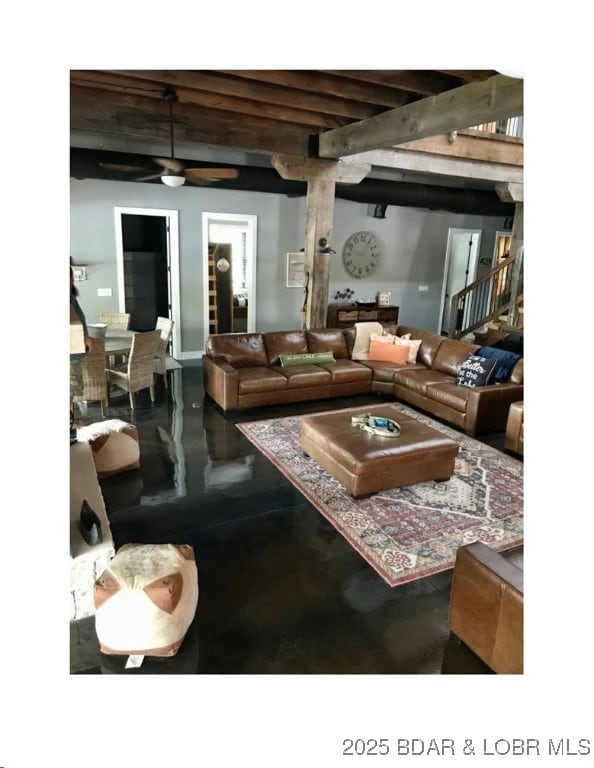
column 146, row 273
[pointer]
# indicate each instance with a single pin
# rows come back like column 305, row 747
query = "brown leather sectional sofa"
column 487, row 605
column 243, row 370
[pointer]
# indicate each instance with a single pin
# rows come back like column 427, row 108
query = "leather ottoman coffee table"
column 365, row 463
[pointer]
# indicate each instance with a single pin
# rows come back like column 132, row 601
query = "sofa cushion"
column 430, row 343
column 328, row 340
column 417, row 379
column 391, row 353
column 347, row 371
column 451, row 355
column 450, row 395
column 261, row 379
column 301, row 376
column 241, row 350
column 284, row 343
column 475, row 371
column 504, row 359
column 306, row 357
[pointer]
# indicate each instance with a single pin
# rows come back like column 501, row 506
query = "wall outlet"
column 423, row 287
column 103, row 291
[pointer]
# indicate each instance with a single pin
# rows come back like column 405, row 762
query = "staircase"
column 495, row 301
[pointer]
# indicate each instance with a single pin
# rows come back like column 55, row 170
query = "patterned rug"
column 412, row 532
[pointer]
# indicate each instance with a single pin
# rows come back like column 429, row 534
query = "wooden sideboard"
column 345, row 315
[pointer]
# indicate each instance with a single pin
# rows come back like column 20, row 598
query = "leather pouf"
column 146, row 599
column 114, row 444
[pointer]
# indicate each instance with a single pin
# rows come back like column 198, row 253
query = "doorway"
column 147, row 256
column 460, row 270
column 229, row 259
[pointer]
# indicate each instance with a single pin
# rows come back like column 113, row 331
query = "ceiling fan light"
column 172, row 179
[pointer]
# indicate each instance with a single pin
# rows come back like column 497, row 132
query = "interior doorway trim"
column 172, row 222
column 251, row 220
column 448, row 265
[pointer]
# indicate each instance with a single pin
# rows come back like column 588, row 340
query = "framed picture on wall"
column 295, row 270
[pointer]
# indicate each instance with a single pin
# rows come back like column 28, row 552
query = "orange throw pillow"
column 388, row 353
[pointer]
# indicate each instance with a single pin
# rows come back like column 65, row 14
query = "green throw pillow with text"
column 307, row 358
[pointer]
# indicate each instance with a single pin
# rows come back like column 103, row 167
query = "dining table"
column 118, row 342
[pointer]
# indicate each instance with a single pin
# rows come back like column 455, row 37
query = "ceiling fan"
column 174, row 173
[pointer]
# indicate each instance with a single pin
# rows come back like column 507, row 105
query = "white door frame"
column 172, row 222
column 251, row 241
column 446, row 272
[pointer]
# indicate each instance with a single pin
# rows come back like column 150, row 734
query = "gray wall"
column 413, row 243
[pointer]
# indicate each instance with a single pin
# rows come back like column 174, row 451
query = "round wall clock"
column 361, row 254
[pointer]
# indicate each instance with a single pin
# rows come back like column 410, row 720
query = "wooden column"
column 514, row 193
column 319, row 215
column 321, row 176
column 517, row 250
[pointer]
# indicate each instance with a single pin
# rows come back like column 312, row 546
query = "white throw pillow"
column 363, row 333
column 413, row 347
column 383, row 338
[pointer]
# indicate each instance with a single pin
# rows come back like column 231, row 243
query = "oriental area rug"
column 412, row 532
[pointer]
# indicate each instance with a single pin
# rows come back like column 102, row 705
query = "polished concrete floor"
column 281, row 592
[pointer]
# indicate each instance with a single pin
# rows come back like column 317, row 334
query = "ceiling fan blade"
column 122, row 167
column 210, row 174
column 148, row 178
column 170, row 163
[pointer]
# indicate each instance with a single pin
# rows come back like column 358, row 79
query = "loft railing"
column 511, row 126
column 495, row 296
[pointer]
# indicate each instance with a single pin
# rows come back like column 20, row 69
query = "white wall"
column 413, row 243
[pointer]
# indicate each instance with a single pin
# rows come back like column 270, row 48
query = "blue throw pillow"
column 512, row 342
column 505, row 362
column 475, row 371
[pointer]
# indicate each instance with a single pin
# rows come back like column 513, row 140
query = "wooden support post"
column 321, row 177
column 517, row 250
column 318, row 224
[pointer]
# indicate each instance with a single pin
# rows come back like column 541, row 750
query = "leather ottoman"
column 114, row 444
column 366, row 463
column 146, row 599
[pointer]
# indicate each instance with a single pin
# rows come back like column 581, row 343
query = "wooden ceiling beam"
column 425, row 82
column 209, row 100
column 329, row 85
column 497, row 98
column 231, row 85
column 469, row 75
column 421, row 162
column 299, row 168
column 510, row 192
column 125, row 115
column 484, row 147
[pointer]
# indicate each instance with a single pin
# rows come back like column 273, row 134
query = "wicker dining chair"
column 94, row 377
column 139, row 372
column 115, row 321
column 165, row 328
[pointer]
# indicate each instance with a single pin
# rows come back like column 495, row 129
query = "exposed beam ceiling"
column 244, row 117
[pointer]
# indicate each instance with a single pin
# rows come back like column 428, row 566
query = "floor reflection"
column 280, row 590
